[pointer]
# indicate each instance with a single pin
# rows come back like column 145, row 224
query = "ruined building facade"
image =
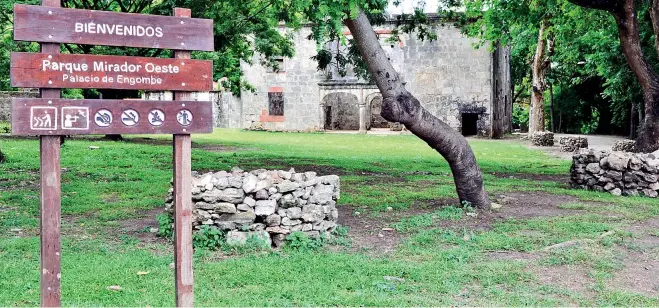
column 467, row 88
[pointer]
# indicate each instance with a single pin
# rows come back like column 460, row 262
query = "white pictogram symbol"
column 43, row 118
column 75, row 118
column 103, row 118
column 156, row 117
column 130, row 117
column 184, row 117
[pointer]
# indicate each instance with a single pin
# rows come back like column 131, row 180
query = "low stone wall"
column 542, row 139
column 620, row 173
column 625, row 145
column 265, row 204
column 572, row 144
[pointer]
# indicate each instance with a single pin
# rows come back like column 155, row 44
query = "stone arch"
column 341, row 110
column 374, row 109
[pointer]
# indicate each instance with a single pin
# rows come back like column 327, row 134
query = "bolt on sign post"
column 51, row 117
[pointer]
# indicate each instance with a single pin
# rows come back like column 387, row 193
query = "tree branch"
column 654, row 16
column 605, row 5
column 550, row 51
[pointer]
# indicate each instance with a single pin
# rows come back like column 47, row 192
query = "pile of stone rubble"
column 265, row 204
column 620, row 173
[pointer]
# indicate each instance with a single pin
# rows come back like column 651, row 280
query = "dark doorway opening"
column 328, row 117
column 469, row 124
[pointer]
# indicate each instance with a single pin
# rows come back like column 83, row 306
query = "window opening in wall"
column 328, row 117
column 279, row 66
column 469, row 124
column 276, row 103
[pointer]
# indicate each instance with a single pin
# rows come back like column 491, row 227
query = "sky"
column 407, row 6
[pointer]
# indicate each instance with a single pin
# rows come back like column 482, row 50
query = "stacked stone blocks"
column 624, row 145
column 620, row 173
column 265, row 204
column 542, row 139
column 572, row 144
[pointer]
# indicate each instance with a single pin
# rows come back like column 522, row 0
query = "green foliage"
column 301, row 242
column 208, row 237
column 593, row 86
column 5, row 127
column 243, row 31
column 165, row 225
column 520, row 117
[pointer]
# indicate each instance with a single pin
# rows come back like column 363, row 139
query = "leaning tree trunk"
column 398, row 105
column 541, row 61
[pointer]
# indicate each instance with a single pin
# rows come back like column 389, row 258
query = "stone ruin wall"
column 5, row 101
column 620, row 173
column 265, row 204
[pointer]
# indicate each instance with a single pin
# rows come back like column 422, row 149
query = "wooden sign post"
column 51, row 117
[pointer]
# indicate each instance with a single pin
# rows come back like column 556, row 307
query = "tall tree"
column 398, row 104
column 625, row 13
column 541, row 63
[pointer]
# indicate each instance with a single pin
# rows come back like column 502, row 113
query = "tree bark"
column 551, row 107
column 398, row 105
column 541, row 61
column 624, row 13
column 633, row 121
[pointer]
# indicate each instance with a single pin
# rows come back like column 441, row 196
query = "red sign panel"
column 38, row 70
column 58, row 25
column 37, row 116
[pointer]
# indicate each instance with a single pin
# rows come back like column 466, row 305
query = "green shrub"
column 165, row 225
column 208, row 238
column 5, row 127
column 300, row 241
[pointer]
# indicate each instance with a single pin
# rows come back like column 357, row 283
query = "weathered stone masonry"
column 620, row 173
column 465, row 87
column 265, row 204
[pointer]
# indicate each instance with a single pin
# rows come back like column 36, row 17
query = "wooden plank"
column 33, row 116
column 50, row 201
column 60, row 25
column 34, row 70
column 183, row 201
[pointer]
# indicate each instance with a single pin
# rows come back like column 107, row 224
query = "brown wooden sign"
column 59, row 25
column 36, row 116
column 40, row 70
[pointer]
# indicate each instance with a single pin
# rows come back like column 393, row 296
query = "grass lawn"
column 439, row 252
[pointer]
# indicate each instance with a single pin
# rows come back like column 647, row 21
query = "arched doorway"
column 377, row 121
column 341, row 111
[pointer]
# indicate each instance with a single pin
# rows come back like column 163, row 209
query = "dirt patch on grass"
column 560, row 178
column 646, row 233
column 533, row 204
column 366, row 231
column 573, row 278
column 139, row 227
column 641, row 262
column 639, row 274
